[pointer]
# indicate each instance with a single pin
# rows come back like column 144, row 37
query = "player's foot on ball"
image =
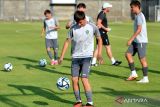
column 88, row 105
column 94, row 65
column 132, row 77
column 143, row 81
column 117, row 63
column 77, row 104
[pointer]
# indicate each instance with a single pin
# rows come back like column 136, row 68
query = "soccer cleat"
column 52, row 62
column 88, row 105
column 94, row 65
column 117, row 63
column 143, row 81
column 132, row 77
column 55, row 62
column 77, row 104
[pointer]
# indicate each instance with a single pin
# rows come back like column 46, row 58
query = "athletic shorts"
column 105, row 39
column 139, row 48
column 52, row 43
column 80, row 67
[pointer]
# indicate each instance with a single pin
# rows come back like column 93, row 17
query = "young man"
column 81, row 36
column 51, row 26
column 137, row 43
column 80, row 7
column 102, row 24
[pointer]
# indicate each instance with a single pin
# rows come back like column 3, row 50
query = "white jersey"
column 140, row 20
column 50, row 32
column 83, row 40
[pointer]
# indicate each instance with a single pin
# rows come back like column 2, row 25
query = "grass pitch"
column 29, row 85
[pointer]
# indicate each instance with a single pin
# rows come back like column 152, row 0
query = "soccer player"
column 51, row 26
column 137, row 43
column 102, row 24
column 80, row 7
column 81, row 36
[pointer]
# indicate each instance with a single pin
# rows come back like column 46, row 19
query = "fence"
column 33, row 9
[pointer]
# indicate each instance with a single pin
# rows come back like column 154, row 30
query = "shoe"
column 55, row 62
column 132, row 77
column 88, row 105
column 94, row 65
column 143, row 81
column 117, row 63
column 77, row 104
column 52, row 62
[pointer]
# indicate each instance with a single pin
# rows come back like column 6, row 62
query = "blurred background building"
column 33, row 9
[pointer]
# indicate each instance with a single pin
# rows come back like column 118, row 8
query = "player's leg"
column 94, row 59
column 85, row 81
column 129, row 57
column 48, row 48
column 55, row 47
column 107, row 45
column 75, row 67
column 142, row 57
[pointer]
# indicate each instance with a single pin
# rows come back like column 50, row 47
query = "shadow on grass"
column 140, row 69
column 10, row 102
column 24, row 59
column 42, row 103
column 44, row 69
column 129, row 98
column 107, row 74
column 40, row 92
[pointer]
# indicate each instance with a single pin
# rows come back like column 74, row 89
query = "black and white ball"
column 63, row 83
column 8, row 67
column 42, row 62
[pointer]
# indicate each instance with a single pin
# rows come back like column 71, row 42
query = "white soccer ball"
column 63, row 83
column 42, row 62
column 8, row 67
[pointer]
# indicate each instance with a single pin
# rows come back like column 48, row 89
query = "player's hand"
column 129, row 42
column 108, row 29
column 60, row 60
column 100, row 59
column 99, row 26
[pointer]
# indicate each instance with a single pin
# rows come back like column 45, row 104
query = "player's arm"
column 99, row 24
column 100, row 59
column 43, row 29
column 56, row 27
column 68, row 25
column 64, row 49
column 139, row 29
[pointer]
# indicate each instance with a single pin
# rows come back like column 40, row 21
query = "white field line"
column 120, row 37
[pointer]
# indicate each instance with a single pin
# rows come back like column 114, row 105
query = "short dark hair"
column 135, row 3
column 79, row 15
column 81, row 5
column 47, row 12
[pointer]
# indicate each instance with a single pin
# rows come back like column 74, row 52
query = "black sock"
column 145, row 71
column 131, row 66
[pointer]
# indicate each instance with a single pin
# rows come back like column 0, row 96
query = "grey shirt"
column 140, row 20
column 83, row 40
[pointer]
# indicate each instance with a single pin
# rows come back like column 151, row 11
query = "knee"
column 127, row 55
column 75, row 80
column 84, row 80
column 48, row 49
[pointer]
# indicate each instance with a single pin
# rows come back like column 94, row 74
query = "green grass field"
column 29, row 85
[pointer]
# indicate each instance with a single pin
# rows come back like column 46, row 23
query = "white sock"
column 145, row 77
column 134, row 72
column 113, row 60
column 94, row 60
column 90, row 103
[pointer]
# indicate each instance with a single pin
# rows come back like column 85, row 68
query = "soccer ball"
column 63, row 83
column 8, row 67
column 42, row 62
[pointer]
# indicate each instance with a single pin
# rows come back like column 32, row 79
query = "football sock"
column 94, row 60
column 77, row 95
column 113, row 60
column 132, row 67
column 145, row 71
column 89, row 96
column 56, row 54
column 49, row 54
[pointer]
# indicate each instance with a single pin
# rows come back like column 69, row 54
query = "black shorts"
column 105, row 39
